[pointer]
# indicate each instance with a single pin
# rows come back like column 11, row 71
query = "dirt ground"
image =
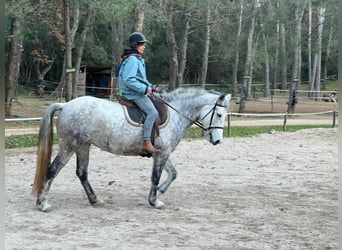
column 271, row 191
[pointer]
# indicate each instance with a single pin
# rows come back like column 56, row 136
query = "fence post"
column 285, row 120
column 229, row 130
column 334, row 119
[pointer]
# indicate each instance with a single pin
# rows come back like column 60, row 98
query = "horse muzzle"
column 215, row 138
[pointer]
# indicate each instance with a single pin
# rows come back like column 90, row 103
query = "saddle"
column 136, row 117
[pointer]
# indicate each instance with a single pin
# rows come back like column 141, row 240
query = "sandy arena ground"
column 271, row 191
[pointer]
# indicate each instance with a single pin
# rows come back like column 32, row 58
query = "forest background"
column 225, row 43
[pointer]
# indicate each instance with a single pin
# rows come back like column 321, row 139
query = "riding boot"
column 148, row 147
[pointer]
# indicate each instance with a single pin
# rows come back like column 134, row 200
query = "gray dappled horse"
column 88, row 120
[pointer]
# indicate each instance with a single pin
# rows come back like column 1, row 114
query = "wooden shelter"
column 96, row 81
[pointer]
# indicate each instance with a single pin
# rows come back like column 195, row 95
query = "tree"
column 276, row 53
column 203, row 75
column 267, row 67
column 79, row 53
column 237, row 53
column 284, row 57
column 68, row 48
column 172, row 45
column 140, row 16
column 327, row 55
column 183, row 48
column 317, row 78
column 178, row 14
column 15, row 49
column 13, row 64
column 249, row 59
column 309, row 46
column 180, row 48
column 297, row 55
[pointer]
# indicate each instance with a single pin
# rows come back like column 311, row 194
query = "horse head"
column 213, row 117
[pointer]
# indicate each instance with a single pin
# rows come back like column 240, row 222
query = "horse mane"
column 186, row 93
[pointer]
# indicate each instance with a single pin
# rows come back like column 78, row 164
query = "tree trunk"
column 237, row 45
column 204, row 69
column 267, row 68
column 117, row 50
column 298, row 26
column 327, row 55
column 248, row 62
column 250, row 79
column 321, row 14
column 79, row 54
column 309, row 48
column 284, row 56
column 313, row 77
column 173, row 49
column 296, row 61
column 236, row 63
column 68, row 48
column 66, row 80
column 183, row 50
column 13, row 64
column 276, row 54
column 140, row 16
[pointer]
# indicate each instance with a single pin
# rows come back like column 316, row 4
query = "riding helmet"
column 136, row 38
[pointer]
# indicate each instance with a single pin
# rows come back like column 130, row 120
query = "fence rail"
column 25, row 119
column 284, row 115
column 229, row 116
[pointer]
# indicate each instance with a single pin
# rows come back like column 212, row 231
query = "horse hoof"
column 45, row 206
column 159, row 204
column 98, row 203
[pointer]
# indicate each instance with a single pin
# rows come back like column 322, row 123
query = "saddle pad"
column 136, row 116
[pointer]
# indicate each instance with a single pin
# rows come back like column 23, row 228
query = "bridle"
column 197, row 122
column 212, row 111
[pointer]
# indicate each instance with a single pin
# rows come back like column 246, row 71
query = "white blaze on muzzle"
column 216, row 136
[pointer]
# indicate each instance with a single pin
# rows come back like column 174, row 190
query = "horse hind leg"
column 82, row 158
column 55, row 167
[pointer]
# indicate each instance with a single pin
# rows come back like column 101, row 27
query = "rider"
column 133, row 85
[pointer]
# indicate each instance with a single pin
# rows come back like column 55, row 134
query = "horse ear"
column 228, row 97
column 222, row 98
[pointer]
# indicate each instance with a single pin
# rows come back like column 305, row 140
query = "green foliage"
column 31, row 140
column 113, row 21
column 330, row 86
column 22, row 141
column 18, row 141
column 196, row 133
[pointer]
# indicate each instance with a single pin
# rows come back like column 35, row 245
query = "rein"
column 197, row 123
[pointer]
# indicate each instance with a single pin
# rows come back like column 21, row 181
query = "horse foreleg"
column 57, row 164
column 158, row 165
column 171, row 176
column 82, row 161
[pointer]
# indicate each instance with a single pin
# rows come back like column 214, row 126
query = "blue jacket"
column 133, row 82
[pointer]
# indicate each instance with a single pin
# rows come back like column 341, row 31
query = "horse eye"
column 219, row 115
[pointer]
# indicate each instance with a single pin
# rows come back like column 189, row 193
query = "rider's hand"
column 149, row 91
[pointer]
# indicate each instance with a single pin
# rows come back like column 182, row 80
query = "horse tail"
column 44, row 150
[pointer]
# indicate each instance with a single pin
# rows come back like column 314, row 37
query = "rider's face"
column 141, row 48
